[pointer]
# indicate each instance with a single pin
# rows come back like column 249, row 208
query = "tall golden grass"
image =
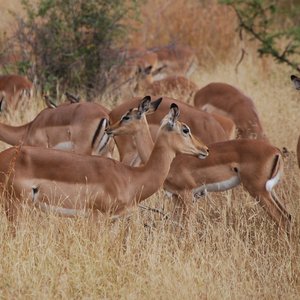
column 229, row 250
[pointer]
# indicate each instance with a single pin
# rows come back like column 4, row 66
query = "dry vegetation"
column 230, row 250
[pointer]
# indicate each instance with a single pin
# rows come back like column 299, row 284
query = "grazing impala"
column 78, row 127
column 254, row 163
column 175, row 60
column 201, row 123
column 14, row 88
column 179, row 86
column 69, row 184
column 225, row 99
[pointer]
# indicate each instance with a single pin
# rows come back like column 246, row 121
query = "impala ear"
column 296, row 81
column 2, row 104
column 144, row 105
column 154, row 105
column 148, row 70
column 173, row 114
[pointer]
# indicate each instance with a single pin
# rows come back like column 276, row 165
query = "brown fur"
column 57, row 180
column 76, row 123
column 225, row 99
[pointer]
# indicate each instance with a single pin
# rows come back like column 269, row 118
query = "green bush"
column 273, row 24
column 69, row 42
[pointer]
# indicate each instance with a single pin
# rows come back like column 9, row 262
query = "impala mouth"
column 203, row 154
column 109, row 132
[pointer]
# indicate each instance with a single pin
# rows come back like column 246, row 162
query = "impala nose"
column 109, row 132
column 203, row 153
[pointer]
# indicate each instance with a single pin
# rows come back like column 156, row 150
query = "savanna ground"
column 231, row 250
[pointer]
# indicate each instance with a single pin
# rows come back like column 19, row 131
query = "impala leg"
column 183, row 205
column 11, row 211
column 276, row 210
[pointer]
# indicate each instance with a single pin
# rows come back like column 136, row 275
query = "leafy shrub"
column 69, row 42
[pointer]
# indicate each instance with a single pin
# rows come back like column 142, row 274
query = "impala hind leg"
column 11, row 211
column 276, row 210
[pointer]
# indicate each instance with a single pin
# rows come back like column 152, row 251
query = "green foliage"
column 273, row 25
column 70, row 41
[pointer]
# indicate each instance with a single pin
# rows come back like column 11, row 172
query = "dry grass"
column 231, row 249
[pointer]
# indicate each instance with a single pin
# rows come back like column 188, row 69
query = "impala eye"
column 125, row 118
column 185, row 130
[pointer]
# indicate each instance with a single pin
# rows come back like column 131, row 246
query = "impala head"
column 179, row 135
column 130, row 122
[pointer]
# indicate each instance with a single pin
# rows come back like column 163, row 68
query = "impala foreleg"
column 183, row 204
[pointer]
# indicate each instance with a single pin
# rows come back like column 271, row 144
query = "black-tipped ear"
column 155, row 104
column 148, row 70
column 1, row 103
column 296, row 81
column 173, row 114
column 144, row 105
column 176, row 110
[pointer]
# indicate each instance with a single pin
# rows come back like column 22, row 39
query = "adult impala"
column 14, row 88
column 77, row 127
column 254, row 163
column 202, row 124
column 227, row 100
column 69, row 184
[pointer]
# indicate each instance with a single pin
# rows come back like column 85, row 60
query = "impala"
column 225, row 99
column 78, row 127
column 15, row 87
column 175, row 60
column 255, row 164
column 296, row 82
column 135, row 64
column 59, row 182
column 202, row 124
column 179, row 85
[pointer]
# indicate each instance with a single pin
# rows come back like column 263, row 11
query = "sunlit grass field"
column 229, row 250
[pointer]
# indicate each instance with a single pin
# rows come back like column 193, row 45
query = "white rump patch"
column 64, row 146
column 216, row 187
column 272, row 182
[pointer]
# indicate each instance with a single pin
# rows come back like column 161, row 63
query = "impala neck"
column 153, row 174
column 143, row 141
column 12, row 135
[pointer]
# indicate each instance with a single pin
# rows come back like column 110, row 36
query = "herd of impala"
column 62, row 161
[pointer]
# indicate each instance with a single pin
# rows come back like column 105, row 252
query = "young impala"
column 254, row 163
column 70, row 184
